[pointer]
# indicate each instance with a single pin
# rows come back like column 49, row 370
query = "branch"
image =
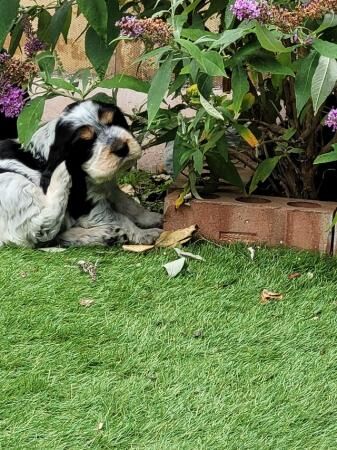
column 327, row 147
column 243, row 158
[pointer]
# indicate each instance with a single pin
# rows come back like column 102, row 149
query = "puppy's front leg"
column 126, row 205
column 119, row 230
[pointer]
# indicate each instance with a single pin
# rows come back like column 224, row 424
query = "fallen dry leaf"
column 137, row 248
column 173, row 268
column 128, row 189
column 86, row 302
column 53, row 249
column 174, row 238
column 251, row 252
column 268, row 296
column 291, row 276
column 166, row 239
column 88, row 268
column 188, row 254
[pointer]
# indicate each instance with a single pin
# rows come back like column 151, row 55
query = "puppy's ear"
column 119, row 119
column 58, row 152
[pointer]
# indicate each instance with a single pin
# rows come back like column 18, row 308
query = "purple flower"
column 130, row 27
column 33, row 45
column 246, row 9
column 11, row 100
column 331, row 120
column 4, row 57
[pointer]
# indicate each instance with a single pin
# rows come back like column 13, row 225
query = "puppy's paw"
column 61, row 177
column 148, row 236
column 149, row 220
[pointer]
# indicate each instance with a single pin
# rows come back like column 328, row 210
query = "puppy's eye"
column 106, row 118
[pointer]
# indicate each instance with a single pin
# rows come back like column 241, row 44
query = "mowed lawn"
column 195, row 362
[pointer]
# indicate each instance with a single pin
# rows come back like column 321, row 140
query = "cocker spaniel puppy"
column 62, row 188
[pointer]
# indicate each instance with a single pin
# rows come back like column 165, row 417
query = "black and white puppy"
column 63, row 188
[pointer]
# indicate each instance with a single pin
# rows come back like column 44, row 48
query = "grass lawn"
column 195, row 362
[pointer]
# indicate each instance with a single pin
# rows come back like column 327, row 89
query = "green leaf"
column 240, row 87
column 210, row 62
column 158, row 89
column 57, row 23
column 325, row 48
column 330, row 21
column 46, row 62
column 268, row 41
column 225, row 39
column 114, row 14
column 229, row 16
column 263, row 171
column 179, row 149
column 250, row 49
column 222, row 167
column 205, row 85
column 196, row 33
column 327, row 157
column 44, row 19
column 156, row 53
column 270, row 65
column 198, row 160
column 9, row 10
column 63, row 84
column 305, row 72
column 98, row 52
column 323, row 81
column 126, row 82
column 16, row 35
column 67, row 23
column 210, row 108
column 96, row 14
column 29, row 119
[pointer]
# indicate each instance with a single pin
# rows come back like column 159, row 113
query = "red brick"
column 229, row 217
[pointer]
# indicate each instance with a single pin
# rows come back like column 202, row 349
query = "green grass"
column 195, row 362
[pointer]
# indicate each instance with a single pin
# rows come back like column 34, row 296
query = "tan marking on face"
column 107, row 117
column 104, row 164
column 87, row 133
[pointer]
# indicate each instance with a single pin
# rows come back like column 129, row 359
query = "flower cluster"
column 12, row 100
column 153, row 31
column 246, row 9
column 289, row 20
column 331, row 120
column 14, row 76
column 33, row 44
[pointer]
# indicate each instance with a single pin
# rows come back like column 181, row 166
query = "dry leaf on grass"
column 181, row 253
column 174, row 238
column 137, row 248
column 251, row 251
column 173, row 268
column 269, row 296
column 292, row 276
column 168, row 239
column 88, row 268
column 128, row 189
column 86, row 302
column 53, row 249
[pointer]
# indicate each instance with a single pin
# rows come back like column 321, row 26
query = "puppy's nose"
column 120, row 149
